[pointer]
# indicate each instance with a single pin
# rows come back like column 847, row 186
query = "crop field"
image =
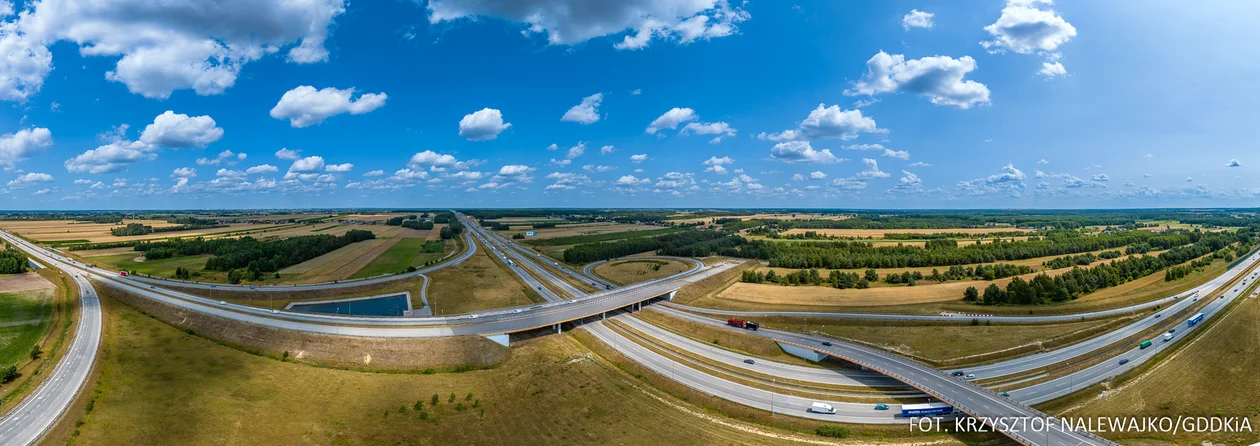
column 582, row 229
column 24, row 315
column 1193, row 382
column 374, row 217
column 599, row 237
column 797, row 216
column 341, row 263
column 407, row 252
column 478, row 283
column 1035, row 263
column 64, row 231
column 551, row 390
column 625, row 272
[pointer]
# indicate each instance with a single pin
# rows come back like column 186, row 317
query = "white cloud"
column 898, row 154
column 29, row 179
column 305, row 106
column 18, row 146
column 82, row 181
column 114, row 156
column 569, row 22
column 483, row 125
column 1052, row 70
column 508, row 175
column 585, row 113
column 288, row 155
column 802, row 152
column 718, row 169
column 41, row 192
column 263, row 168
column 26, row 63
column 553, row 146
column 920, row 164
column 872, row 169
column 339, row 168
column 1042, row 161
column 908, row 183
column 671, row 119
column 719, row 128
column 715, row 161
column 917, row 19
column 675, row 180
column 374, row 173
column 798, row 177
column 638, row 158
column 564, row 162
column 848, row 184
column 817, row 175
column 166, row 46
column 224, row 157
column 1010, row 182
column 179, row 131
column 576, row 151
column 1024, row 29
column 939, row 78
column 1102, row 177
column 310, row 164
column 437, row 162
column 826, row 123
column 630, row 180
column 598, row 168
column 1233, row 163
column 606, row 150
column 184, row 172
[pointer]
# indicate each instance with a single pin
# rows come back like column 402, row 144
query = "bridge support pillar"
column 501, row 339
column 671, row 295
column 802, row 352
column 559, row 329
column 603, row 316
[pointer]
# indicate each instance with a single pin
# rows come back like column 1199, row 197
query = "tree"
column 35, row 352
column 872, row 275
column 446, row 233
column 994, row 295
column 8, row 374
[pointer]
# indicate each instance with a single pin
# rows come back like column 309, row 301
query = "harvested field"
column 798, row 216
column 28, row 281
column 625, row 272
column 581, row 229
column 104, row 252
column 436, row 233
column 341, row 263
column 407, row 252
column 65, row 230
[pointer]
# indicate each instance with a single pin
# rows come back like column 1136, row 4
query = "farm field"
column 407, row 252
column 65, row 231
column 580, row 229
column 551, row 390
column 797, row 216
column 25, row 309
column 1035, row 263
column 625, row 272
column 478, row 283
column 879, row 233
column 598, row 237
column 1190, row 382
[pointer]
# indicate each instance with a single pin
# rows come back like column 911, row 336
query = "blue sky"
column 678, row 103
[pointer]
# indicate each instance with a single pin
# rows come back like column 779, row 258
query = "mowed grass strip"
column 24, row 318
column 158, row 383
column 625, row 272
column 591, row 238
column 407, row 252
column 478, row 283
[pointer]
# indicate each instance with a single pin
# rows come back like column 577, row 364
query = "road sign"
column 531, row 234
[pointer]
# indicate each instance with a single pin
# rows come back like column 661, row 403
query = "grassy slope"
column 407, row 252
column 23, row 321
column 158, row 383
column 625, row 272
column 478, row 283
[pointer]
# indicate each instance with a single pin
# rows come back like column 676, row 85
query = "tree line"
column 13, row 261
column 252, row 254
column 687, row 243
column 142, row 229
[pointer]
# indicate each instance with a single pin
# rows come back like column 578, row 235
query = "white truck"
column 822, row 408
column 1167, row 337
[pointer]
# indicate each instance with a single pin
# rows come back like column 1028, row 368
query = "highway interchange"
column 578, row 306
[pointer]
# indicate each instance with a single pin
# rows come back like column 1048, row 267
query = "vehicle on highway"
column 1167, row 337
column 827, row 343
column 1124, row 361
column 518, row 310
column 740, row 323
column 822, row 408
column 958, row 373
column 1194, row 320
column 122, row 273
column 881, row 406
column 222, row 303
column 918, row 410
column 749, row 361
column 473, row 316
column 1004, row 394
column 970, row 376
column 1172, row 330
column 1157, row 315
column 1144, row 345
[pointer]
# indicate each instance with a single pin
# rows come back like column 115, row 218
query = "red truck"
column 740, row 323
column 123, row 273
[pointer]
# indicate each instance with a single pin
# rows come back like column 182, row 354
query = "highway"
column 39, row 410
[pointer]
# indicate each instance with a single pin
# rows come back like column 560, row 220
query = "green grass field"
column 157, row 268
column 23, row 320
column 407, row 252
column 579, row 239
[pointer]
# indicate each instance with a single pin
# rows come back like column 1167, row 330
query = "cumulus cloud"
column 630, row 180
column 305, row 106
column 920, row 164
column 339, row 168
column 114, row 156
column 1233, row 163
column 671, row 119
column 29, row 179
column 569, row 22
column 917, row 19
column 898, row 154
column 19, row 146
column 1024, row 29
column 872, row 169
column 802, row 152
column 288, row 155
column 938, row 78
column 262, row 169
column 1010, row 182
column 437, row 162
column 183, row 172
column 721, row 129
column 482, row 125
column 576, row 151
column 166, row 46
column 638, row 158
column 827, row 123
column 27, row 61
column 179, row 131
column 817, row 175
column 224, row 157
column 375, row 173
column 606, row 150
column 585, row 113
column 848, row 184
column 598, row 168
column 1051, row 70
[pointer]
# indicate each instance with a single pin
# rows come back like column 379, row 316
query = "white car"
column 822, row 408
column 970, row 376
column 472, row 316
column 518, row 310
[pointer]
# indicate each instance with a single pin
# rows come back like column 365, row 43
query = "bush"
column 8, row 374
column 832, row 431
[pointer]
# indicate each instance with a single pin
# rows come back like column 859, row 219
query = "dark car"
column 958, row 373
column 1124, row 361
column 827, row 343
column 749, row 361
